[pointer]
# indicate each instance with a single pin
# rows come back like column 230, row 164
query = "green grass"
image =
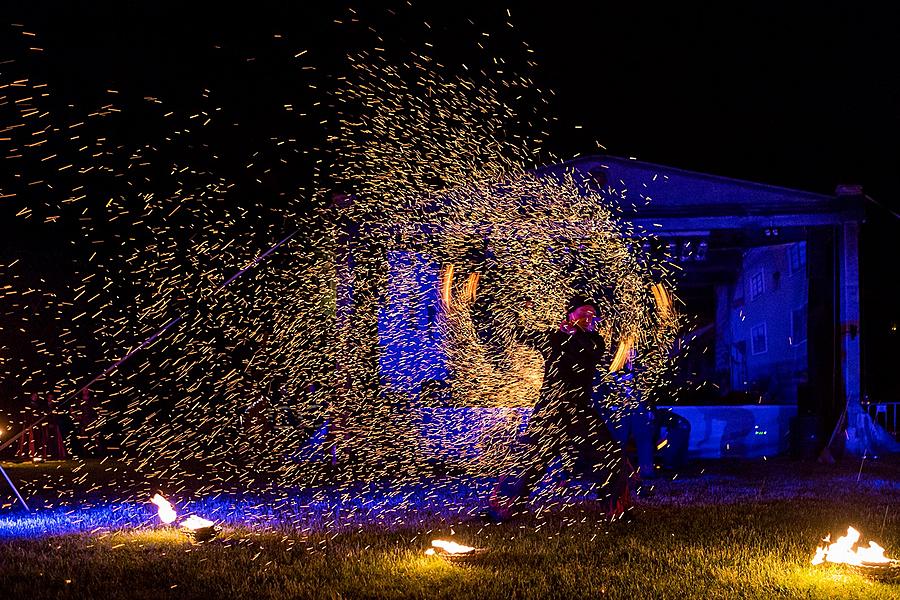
column 742, row 530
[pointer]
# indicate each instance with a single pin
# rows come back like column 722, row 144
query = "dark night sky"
column 805, row 97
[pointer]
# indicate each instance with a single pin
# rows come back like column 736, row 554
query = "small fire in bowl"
column 454, row 552
column 202, row 529
column 842, row 551
column 867, row 560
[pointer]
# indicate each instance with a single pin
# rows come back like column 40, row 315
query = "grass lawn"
column 724, row 530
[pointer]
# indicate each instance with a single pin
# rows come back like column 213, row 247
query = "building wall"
column 409, row 337
column 770, row 295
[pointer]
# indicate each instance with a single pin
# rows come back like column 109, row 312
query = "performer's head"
column 582, row 314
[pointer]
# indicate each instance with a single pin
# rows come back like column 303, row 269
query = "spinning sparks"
column 314, row 365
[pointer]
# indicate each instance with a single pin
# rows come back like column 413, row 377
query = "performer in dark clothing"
column 564, row 419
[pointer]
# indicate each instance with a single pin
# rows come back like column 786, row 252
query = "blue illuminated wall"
column 767, row 318
column 407, row 324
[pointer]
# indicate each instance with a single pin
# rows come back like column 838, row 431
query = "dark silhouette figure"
column 564, row 419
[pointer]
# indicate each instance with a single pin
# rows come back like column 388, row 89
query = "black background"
column 793, row 94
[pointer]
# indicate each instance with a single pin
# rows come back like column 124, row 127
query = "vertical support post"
column 858, row 440
column 849, row 327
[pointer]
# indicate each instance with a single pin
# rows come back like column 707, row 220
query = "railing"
column 885, row 414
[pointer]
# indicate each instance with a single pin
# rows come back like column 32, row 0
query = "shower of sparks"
column 274, row 382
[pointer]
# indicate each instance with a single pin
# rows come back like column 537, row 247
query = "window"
column 797, row 257
column 757, row 285
column 758, row 339
column 798, row 325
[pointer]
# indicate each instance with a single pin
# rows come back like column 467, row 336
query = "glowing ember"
column 447, row 285
column 842, row 551
column 621, row 356
column 449, row 547
column 166, row 511
column 194, row 522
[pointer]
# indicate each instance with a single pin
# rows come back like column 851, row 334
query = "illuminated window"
column 757, row 285
column 758, row 339
column 797, row 255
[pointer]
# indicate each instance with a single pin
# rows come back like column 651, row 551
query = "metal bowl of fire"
column 201, row 530
column 456, row 553
column 868, row 561
column 883, row 572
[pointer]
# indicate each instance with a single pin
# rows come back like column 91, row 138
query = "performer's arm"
column 524, row 334
column 529, row 337
column 599, row 347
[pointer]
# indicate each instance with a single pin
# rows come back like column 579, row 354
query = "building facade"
column 770, row 276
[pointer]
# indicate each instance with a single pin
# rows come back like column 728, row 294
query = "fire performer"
column 565, row 420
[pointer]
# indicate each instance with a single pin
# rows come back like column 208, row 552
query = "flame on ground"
column 449, row 547
column 194, row 522
column 842, row 551
column 165, row 510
